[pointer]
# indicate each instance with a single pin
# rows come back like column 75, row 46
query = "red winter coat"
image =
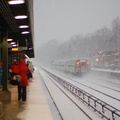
column 23, row 73
column 15, row 68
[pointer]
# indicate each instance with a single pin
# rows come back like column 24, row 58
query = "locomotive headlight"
column 78, row 63
column 88, row 63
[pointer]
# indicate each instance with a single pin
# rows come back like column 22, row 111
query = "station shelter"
column 16, row 38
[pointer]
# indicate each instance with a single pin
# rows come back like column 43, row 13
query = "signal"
column 88, row 63
column 78, row 63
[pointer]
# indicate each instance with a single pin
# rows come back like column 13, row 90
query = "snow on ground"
column 67, row 109
column 87, row 84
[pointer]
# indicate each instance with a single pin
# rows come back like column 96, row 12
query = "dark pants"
column 22, row 93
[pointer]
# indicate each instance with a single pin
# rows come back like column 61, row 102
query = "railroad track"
column 99, row 90
column 107, row 87
column 65, row 96
column 106, row 111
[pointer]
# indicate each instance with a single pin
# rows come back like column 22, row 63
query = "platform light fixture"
column 30, row 48
column 27, row 56
column 21, row 17
column 23, row 26
column 15, row 2
column 9, row 40
column 14, row 45
column 25, row 32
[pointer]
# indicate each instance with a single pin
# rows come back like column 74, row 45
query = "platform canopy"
column 18, row 15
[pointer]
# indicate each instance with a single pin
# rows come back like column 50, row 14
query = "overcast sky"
column 62, row 19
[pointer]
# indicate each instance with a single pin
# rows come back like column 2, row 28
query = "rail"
column 105, row 110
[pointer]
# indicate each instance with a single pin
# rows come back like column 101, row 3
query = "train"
column 76, row 66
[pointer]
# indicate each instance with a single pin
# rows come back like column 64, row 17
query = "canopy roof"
column 8, row 12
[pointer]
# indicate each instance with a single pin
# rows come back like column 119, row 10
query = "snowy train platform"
column 35, row 108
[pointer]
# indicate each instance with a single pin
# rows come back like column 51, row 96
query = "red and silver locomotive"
column 76, row 66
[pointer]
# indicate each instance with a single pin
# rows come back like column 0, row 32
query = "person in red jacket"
column 23, row 70
column 15, row 68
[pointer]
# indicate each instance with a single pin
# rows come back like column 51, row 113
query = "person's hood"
column 22, row 62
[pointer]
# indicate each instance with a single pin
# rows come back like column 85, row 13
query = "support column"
column 0, row 46
column 5, row 94
column 0, row 60
column 0, row 81
column 5, row 57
